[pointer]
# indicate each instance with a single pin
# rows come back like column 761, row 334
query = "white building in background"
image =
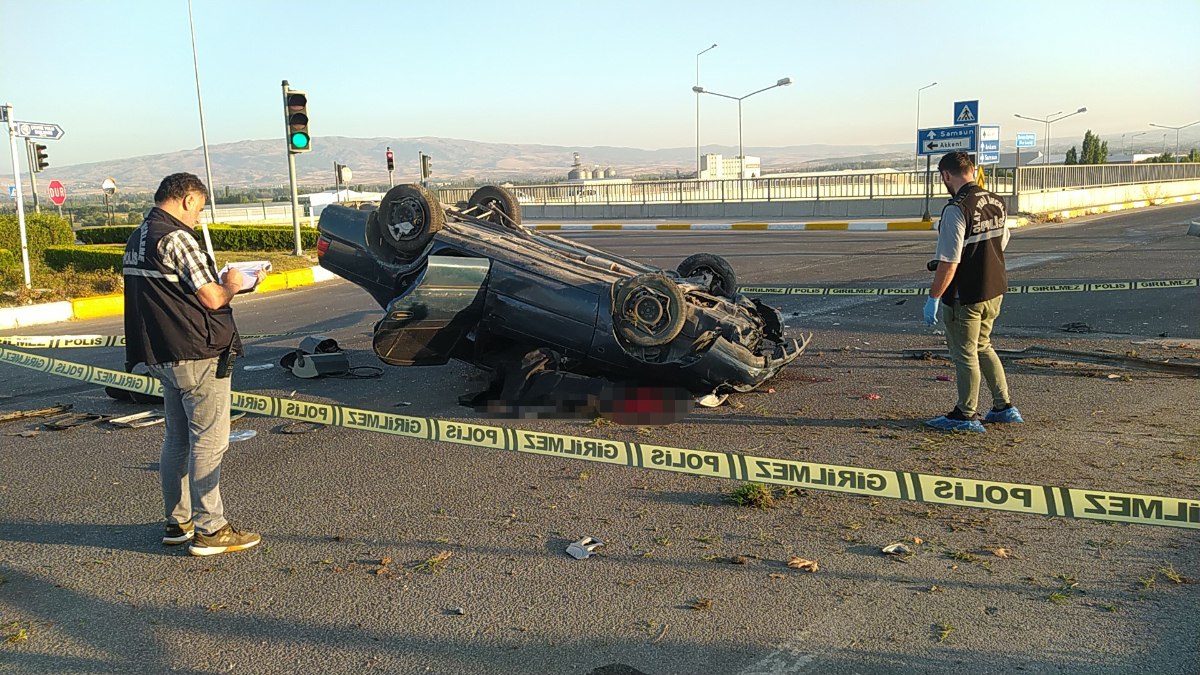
column 717, row 167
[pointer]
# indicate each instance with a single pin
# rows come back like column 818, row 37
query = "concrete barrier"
column 1130, row 196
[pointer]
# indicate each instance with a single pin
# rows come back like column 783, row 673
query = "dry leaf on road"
column 803, row 564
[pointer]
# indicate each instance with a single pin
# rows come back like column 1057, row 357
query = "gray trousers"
column 969, row 338
column 197, row 435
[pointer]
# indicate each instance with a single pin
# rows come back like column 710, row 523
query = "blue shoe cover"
column 946, row 424
column 1010, row 414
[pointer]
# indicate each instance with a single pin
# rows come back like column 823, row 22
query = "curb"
column 100, row 306
column 1093, row 210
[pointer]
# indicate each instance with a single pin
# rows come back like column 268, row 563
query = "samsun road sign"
column 58, row 192
column 941, row 140
column 39, row 130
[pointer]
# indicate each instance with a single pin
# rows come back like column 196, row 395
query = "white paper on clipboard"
column 249, row 270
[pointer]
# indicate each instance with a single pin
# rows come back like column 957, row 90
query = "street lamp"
column 1129, row 148
column 1048, row 120
column 916, row 156
column 782, row 82
column 1163, row 126
column 714, row 46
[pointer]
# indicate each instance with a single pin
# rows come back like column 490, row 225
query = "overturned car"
column 469, row 282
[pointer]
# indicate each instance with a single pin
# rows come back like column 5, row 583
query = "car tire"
column 495, row 198
column 408, row 218
column 648, row 309
column 722, row 280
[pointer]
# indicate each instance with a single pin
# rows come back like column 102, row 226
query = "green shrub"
column 258, row 238
column 41, row 230
column 84, row 258
column 117, row 234
column 8, row 259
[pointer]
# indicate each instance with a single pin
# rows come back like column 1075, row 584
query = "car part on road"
column 69, row 420
column 715, row 272
column 36, row 412
column 242, row 435
column 139, row 420
column 584, row 548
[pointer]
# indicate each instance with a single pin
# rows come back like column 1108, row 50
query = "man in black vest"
column 179, row 323
column 969, row 285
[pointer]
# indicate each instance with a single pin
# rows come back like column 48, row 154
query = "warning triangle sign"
column 965, row 115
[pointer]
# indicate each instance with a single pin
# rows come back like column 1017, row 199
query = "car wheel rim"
column 406, row 219
column 649, row 312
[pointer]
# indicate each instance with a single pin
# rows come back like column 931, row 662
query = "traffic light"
column 391, row 161
column 426, row 166
column 296, row 118
column 41, row 161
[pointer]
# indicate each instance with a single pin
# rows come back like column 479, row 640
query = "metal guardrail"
column 1043, row 178
column 768, row 189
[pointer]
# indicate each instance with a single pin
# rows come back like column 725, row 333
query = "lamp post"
column 782, row 82
column 917, row 157
column 714, row 46
column 1129, row 150
column 1048, row 120
column 1163, row 126
column 212, row 197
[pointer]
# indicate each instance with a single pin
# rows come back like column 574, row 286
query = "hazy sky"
column 118, row 75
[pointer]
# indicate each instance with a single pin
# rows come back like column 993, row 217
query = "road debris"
column 1076, row 327
column 584, row 548
column 711, row 400
column 897, row 549
column 138, row 420
column 258, row 366
column 36, row 412
column 944, row 378
column 871, row 397
column 804, row 564
column 242, row 435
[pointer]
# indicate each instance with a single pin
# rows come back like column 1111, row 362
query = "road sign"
column 989, row 145
column 40, row 130
column 1026, row 140
column 12, row 191
column 58, row 192
column 966, row 112
column 109, row 186
column 941, row 140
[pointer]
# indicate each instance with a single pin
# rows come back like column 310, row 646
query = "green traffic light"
column 299, row 140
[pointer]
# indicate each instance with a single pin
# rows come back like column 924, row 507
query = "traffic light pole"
column 12, row 144
column 29, row 156
column 296, row 249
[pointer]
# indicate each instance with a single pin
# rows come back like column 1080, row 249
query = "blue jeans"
column 196, row 405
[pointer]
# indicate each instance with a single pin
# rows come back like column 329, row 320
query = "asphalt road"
column 686, row 582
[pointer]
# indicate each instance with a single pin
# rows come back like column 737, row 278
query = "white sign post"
column 12, row 143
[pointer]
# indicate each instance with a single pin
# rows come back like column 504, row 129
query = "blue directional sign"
column 12, row 191
column 1026, row 140
column 989, row 145
column 966, row 112
column 939, row 141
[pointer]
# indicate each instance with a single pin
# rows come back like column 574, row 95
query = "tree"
column 1094, row 152
column 1072, row 156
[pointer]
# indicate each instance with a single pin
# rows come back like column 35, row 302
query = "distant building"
column 717, row 167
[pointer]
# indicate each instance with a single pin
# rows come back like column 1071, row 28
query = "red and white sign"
column 58, row 192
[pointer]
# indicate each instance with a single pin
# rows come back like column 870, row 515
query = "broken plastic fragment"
column 711, row 400
column 242, row 435
column 897, row 549
column 583, row 548
column 259, row 366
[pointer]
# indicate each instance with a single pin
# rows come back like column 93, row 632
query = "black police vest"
column 980, row 275
column 164, row 321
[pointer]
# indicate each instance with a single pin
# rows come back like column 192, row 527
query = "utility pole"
column 7, row 114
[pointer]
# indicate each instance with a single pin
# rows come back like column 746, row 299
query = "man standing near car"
column 968, row 285
column 179, row 323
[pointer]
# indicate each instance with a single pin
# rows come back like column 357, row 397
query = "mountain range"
column 263, row 163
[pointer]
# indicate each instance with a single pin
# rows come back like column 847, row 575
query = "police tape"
column 1025, row 498
column 78, row 341
column 1085, row 287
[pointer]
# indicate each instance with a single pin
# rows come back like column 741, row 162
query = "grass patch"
column 755, row 495
column 434, row 564
column 944, row 630
column 1059, row 597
